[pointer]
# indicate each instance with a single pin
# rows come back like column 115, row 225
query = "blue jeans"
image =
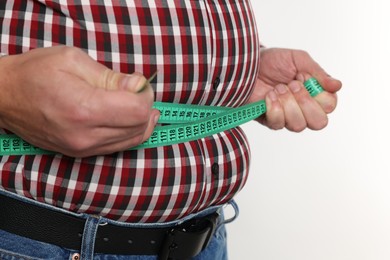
column 20, row 248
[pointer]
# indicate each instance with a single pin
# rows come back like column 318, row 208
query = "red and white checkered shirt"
column 206, row 52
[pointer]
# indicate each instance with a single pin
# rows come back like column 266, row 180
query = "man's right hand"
column 62, row 100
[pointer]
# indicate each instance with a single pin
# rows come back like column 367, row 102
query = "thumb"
column 310, row 68
column 98, row 75
column 112, row 80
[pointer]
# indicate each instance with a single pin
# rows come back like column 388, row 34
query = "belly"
column 206, row 52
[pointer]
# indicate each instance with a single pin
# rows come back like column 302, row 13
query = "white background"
column 325, row 194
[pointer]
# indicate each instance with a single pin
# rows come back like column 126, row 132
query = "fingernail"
column 156, row 118
column 272, row 95
column 281, row 89
column 295, row 86
column 300, row 77
column 132, row 82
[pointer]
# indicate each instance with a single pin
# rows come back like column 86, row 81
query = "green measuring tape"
column 186, row 123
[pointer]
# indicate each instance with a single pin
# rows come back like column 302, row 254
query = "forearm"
column 4, row 85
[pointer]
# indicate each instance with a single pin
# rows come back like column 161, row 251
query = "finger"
column 124, row 137
column 295, row 120
column 98, row 75
column 327, row 100
column 112, row 80
column 122, row 109
column 314, row 115
column 106, row 140
column 133, row 140
column 274, row 118
column 139, row 133
column 152, row 124
column 98, row 107
column 305, row 63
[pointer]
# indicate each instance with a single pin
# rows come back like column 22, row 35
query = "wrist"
column 3, row 85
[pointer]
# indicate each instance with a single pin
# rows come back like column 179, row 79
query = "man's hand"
column 60, row 99
column 280, row 82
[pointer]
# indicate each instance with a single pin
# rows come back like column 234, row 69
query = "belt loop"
column 234, row 205
column 89, row 236
column 167, row 246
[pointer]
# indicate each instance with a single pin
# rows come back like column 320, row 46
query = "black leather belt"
column 180, row 242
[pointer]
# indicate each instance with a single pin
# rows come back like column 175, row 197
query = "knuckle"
column 137, row 135
column 276, row 127
column 140, row 139
column 70, row 52
column 303, row 53
column 143, row 113
column 297, row 128
column 80, row 115
column 330, row 107
column 71, row 55
column 320, row 124
column 109, row 79
column 276, row 124
column 76, row 144
column 136, row 140
column 327, row 101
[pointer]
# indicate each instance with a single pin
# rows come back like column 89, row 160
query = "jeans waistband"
column 84, row 216
column 90, row 233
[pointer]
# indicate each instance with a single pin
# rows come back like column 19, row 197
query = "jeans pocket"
column 7, row 255
column 14, row 247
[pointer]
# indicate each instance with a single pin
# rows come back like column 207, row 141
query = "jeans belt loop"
column 89, row 235
column 234, row 205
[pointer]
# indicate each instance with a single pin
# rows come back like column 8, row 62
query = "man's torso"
column 206, row 52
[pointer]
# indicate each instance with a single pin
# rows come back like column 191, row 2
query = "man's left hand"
column 280, row 82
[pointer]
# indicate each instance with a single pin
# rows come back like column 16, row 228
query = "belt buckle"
column 188, row 239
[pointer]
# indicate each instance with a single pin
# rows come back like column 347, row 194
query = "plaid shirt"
column 206, row 51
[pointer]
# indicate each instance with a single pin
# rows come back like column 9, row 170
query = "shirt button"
column 215, row 169
column 216, row 83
